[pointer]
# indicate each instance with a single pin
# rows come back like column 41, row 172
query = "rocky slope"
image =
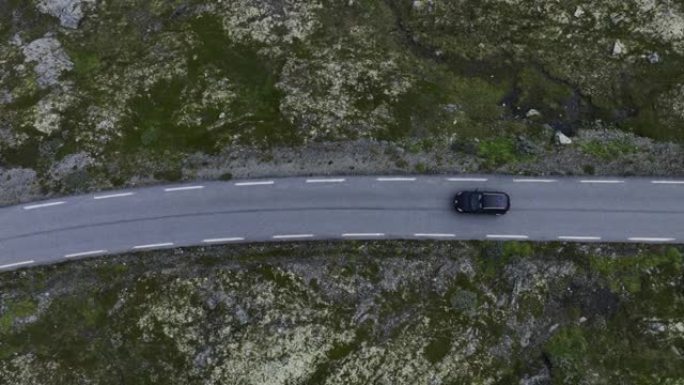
column 351, row 313
column 97, row 94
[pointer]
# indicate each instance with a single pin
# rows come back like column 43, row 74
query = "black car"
column 482, row 202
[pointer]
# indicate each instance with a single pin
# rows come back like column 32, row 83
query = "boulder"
column 562, row 139
column 653, row 58
column 619, row 48
column 69, row 12
column 532, row 113
column 51, row 60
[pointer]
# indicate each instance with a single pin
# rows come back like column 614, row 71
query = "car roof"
column 494, row 200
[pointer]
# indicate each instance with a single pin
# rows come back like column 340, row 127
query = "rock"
column 532, row 113
column 6, row 97
column 49, row 110
column 582, row 320
column 16, row 40
column 653, row 58
column 548, row 128
column 69, row 12
column 18, row 184
column 553, row 328
column 51, row 59
column 70, row 164
column 657, row 327
column 579, row 12
column 619, row 48
column 562, row 139
column 678, row 327
column 541, row 378
column 525, row 146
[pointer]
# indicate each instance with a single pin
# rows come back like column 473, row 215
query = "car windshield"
column 474, row 201
column 493, row 201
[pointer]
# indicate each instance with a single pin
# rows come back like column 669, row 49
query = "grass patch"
column 567, row 351
column 20, row 309
column 626, row 272
column 498, row 151
column 539, row 92
column 437, row 349
column 608, row 150
column 85, row 63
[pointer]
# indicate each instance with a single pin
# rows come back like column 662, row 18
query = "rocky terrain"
column 351, row 313
column 101, row 94
column 97, row 94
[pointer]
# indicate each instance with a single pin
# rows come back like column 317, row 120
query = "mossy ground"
column 162, row 80
column 325, row 313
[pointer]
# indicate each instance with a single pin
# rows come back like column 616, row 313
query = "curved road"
column 571, row 209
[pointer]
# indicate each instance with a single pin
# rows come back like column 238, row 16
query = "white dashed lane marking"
column 110, row 196
column 507, row 236
column 578, row 238
column 153, row 245
column 434, row 235
column 358, row 235
column 467, row 179
column 292, row 236
column 43, row 205
column 535, row 180
column 16, row 264
column 85, row 253
column 650, row 239
column 395, row 179
column 602, row 181
column 223, row 240
column 183, row 188
column 339, row 180
column 667, row 181
column 260, row 183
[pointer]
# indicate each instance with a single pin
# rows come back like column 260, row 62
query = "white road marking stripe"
column 467, row 179
column 579, row 238
column 606, row 181
column 85, row 253
column 507, row 236
column 153, row 245
column 396, row 179
column 650, row 239
column 42, row 205
column 535, row 180
column 292, row 236
column 667, row 181
column 325, row 180
column 121, row 195
column 434, row 235
column 223, row 240
column 363, row 234
column 16, row 264
column 184, row 188
column 262, row 183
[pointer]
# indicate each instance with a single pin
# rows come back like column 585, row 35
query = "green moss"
column 498, row 151
column 256, row 110
column 518, row 249
column 15, row 310
column 85, row 63
column 539, row 92
column 628, row 272
column 567, row 351
column 437, row 349
column 609, row 150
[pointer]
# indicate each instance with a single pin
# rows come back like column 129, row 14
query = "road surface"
column 288, row 209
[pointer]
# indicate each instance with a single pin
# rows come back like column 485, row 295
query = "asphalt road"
column 572, row 209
